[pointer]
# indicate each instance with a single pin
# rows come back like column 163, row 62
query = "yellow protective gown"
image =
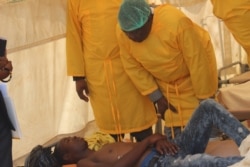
column 92, row 51
column 236, row 16
column 177, row 57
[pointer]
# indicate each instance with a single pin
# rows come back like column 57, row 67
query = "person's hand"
column 152, row 139
column 163, row 146
column 5, row 67
column 162, row 106
column 3, row 61
column 82, row 89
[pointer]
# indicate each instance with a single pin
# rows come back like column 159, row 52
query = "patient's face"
column 73, row 143
column 73, row 148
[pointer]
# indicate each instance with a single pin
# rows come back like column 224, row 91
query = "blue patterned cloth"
column 194, row 139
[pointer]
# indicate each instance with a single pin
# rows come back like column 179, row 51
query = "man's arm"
column 74, row 45
column 142, row 79
column 199, row 57
column 133, row 156
column 161, row 103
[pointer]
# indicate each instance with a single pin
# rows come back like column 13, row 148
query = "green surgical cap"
column 133, row 14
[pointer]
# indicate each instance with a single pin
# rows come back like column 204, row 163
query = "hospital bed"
column 231, row 93
column 218, row 148
column 234, row 92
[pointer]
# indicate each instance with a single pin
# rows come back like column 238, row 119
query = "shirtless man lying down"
column 186, row 150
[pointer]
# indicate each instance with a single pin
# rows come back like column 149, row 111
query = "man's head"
column 135, row 19
column 41, row 157
column 68, row 150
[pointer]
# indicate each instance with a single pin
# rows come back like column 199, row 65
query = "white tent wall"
column 44, row 97
column 29, row 22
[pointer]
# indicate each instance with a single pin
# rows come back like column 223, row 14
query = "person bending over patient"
column 187, row 150
column 168, row 57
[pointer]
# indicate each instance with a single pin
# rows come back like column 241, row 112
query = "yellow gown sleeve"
column 74, row 49
column 142, row 79
column 236, row 16
column 199, row 56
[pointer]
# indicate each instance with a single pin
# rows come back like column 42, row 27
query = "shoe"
column 245, row 146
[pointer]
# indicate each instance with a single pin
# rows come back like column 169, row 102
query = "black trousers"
column 5, row 144
column 5, row 137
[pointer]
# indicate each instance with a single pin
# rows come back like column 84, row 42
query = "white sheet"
column 236, row 97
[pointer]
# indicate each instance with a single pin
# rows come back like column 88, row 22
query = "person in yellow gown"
column 236, row 16
column 93, row 60
column 168, row 57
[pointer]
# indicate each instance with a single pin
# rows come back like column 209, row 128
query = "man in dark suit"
column 5, row 124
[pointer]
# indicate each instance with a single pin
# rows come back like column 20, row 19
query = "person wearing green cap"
column 93, row 60
column 168, row 57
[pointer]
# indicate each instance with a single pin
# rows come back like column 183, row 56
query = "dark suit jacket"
column 3, row 112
